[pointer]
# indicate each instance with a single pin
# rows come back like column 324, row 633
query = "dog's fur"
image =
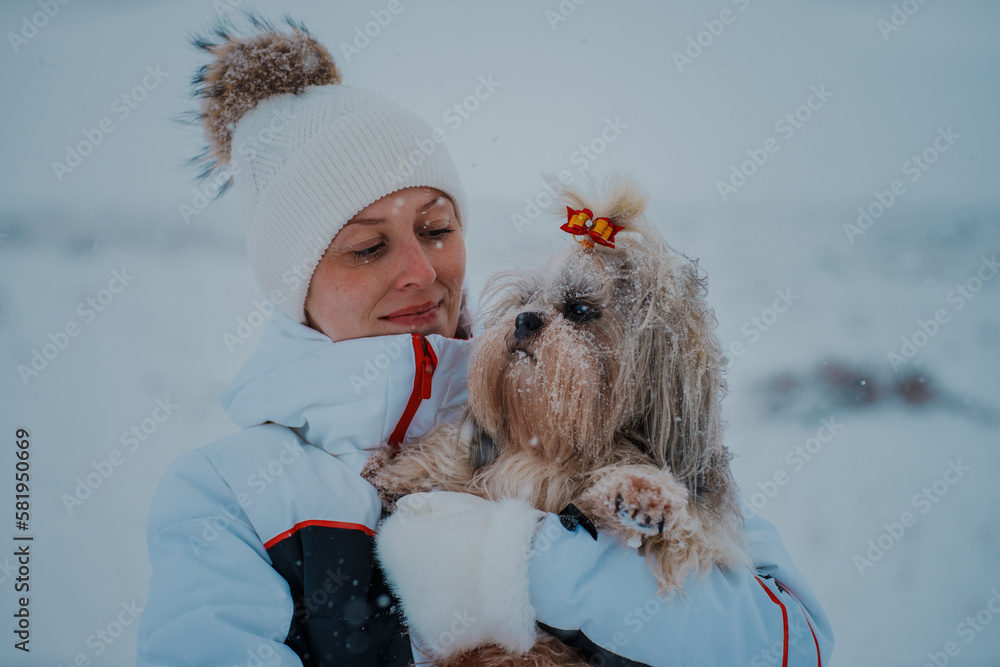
column 611, row 404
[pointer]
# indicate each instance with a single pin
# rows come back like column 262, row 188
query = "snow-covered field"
column 166, row 289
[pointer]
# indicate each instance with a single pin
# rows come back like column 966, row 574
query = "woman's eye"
column 368, row 253
column 580, row 312
column 437, row 229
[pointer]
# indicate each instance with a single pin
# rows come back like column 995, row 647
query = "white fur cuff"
column 459, row 565
column 503, row 574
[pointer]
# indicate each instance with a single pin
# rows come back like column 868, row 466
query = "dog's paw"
column 376, row 463
column 640, row 517
column 377, row 471
column 393, row 476
column 644, row 502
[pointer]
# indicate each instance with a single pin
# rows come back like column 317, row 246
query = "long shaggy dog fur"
column 597, row 382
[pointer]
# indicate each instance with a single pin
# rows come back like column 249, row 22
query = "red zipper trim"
column 426, row 362
column 819, row 658
column 784, row 620
column 318, row 522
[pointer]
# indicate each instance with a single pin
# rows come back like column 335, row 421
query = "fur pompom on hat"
column 245, row 72
column 303, row 152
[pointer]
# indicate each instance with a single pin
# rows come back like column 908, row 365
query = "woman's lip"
column 413, row 310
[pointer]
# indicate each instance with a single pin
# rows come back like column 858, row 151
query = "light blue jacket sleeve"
column 596, row 591
column 214, row 598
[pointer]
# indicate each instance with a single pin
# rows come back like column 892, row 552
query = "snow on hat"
column 304, row 152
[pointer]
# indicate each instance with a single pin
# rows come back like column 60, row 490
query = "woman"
column 262, row 542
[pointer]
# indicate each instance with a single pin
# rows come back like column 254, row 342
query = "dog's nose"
column 527, row 325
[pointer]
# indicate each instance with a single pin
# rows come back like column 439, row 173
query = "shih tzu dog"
column 597, row 383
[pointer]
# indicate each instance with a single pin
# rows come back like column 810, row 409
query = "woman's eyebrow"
column 420, row 210
column 365, row 221
column 439, row 198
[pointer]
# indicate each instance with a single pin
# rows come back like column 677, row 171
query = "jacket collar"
column 348, row 397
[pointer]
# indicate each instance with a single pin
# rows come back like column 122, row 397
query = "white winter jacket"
column 261, row 542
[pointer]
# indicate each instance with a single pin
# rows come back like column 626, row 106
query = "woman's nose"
column 415, row 268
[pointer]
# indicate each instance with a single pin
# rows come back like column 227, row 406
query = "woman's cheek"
column 456, row 261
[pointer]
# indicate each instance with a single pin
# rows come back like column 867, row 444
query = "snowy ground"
column 883, row 98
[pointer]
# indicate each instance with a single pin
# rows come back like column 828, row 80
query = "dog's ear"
column 482, row 449
column 676, row 356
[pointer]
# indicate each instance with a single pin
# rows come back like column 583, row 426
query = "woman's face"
column 396, row 267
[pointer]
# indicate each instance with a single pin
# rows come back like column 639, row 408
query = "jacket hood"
column 346, row 397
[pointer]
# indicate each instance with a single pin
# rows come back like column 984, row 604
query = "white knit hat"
column 306, row 153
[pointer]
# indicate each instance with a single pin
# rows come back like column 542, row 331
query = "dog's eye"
column 580, row 312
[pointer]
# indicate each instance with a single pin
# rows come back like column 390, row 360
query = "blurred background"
column 831, row 164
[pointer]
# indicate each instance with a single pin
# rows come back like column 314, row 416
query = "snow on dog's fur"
column 596, row 382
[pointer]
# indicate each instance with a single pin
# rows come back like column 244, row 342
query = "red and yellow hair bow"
column 582, row 223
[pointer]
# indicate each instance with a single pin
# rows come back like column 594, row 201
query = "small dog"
column 596, row 382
